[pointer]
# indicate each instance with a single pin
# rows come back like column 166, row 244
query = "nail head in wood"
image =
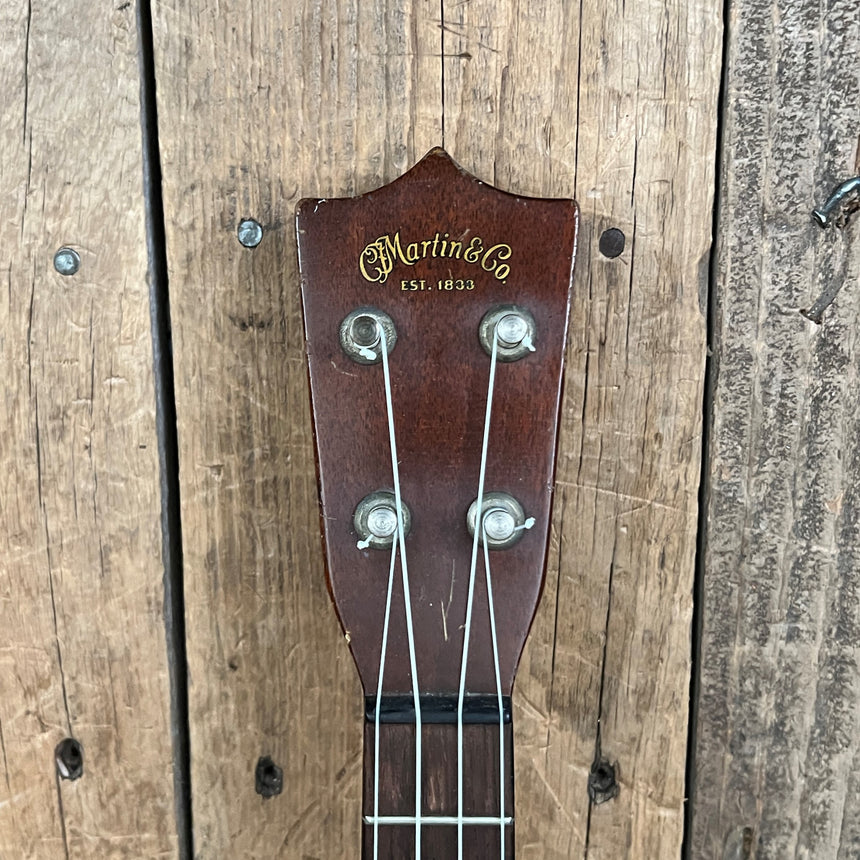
column 612, row 243
column 69, row 756
column 250, row 233
column 67, row 261
column 268, row 778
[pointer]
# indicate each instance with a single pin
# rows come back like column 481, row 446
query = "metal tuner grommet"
column 361, row 335
column 375, row 520
column 503, row 517
column 515, row 329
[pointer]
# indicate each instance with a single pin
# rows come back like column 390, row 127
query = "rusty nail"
column 612, row 242
column 739, row 844
column 602, row 784
column 843, row 201
column 815, row 313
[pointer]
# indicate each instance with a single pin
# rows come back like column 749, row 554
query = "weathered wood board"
column 82, row 643
column 617, row 104
column 778, row 736
column 259, row 106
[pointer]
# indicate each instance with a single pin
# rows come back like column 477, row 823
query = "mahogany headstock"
column 435, row 250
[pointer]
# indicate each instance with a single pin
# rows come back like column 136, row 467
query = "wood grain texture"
column 481, row 795
column 615, row 103
column 82, row 643
column 778, row 744
column 260, row 104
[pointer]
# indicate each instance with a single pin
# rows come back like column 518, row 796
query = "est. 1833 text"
column 447, row 284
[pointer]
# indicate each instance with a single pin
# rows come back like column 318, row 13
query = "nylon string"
column 498, row 691
column 470, row 600
column 379, row 700
column 401, row 541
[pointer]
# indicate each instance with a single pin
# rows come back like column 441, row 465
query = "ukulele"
column 435, row 312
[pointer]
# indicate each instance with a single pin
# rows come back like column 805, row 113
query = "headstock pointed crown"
column 436, row 252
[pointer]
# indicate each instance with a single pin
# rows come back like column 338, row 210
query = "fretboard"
column 439, row 807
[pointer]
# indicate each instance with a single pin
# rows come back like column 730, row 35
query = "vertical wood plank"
column 260, row 104
column 778, row 741
column 615, row 103
column 336, row 100
column 82, row 643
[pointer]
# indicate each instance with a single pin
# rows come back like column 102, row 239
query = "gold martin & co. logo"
column 379, row 257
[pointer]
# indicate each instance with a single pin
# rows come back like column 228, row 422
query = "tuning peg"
column 361, row 334
column 503, row 519
column 514, row 329
column 375, row 520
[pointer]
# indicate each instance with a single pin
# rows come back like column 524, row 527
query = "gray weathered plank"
column 778, row 737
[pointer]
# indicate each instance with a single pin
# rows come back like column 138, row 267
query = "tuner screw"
column 503, row 517
column 361, row 333
column 513, row 327
column 375, row 520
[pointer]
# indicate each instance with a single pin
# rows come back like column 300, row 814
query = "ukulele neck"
column 482, row 780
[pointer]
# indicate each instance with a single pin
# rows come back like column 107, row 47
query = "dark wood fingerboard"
column 438, row 791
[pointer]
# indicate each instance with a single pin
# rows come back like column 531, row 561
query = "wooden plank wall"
column 615, row 104
column 262, row 104
column 258, row 106
column 82, row 642
column 778, row 748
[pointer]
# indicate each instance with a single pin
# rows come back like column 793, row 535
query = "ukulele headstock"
column 434, row 268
